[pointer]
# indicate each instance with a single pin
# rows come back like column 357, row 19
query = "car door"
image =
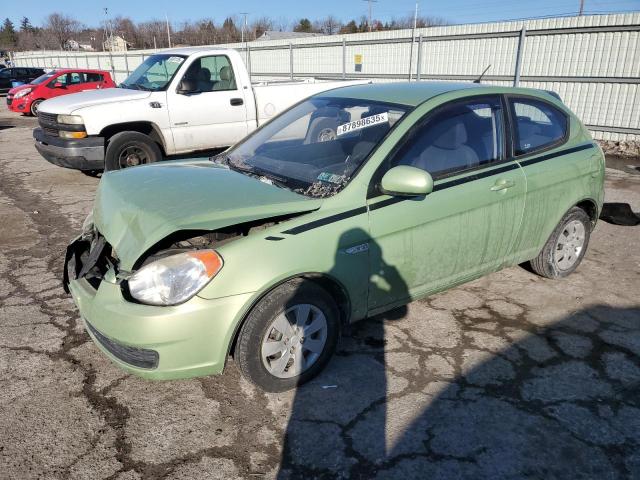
column 75, row 82
column 5, row 79
column 213, row 116
column 93, row 81
column 556, row 175
column 468, row 224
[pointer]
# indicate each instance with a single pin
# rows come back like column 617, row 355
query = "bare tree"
column 262, row 25
column 329, row 25
column 62, row 28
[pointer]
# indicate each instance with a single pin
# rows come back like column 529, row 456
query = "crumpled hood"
column 137, row 207
column 67, row 104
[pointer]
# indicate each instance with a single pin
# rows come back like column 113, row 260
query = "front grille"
column 47, row 118
column 52, row 132
column 138, row 357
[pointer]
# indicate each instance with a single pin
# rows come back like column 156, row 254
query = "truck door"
column 213, row 116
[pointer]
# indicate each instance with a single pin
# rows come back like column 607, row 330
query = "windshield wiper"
column 134, row 86
column 245, row 168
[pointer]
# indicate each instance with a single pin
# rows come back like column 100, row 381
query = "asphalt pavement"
column 510, row 376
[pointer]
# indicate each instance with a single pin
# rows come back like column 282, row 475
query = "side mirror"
column 187, row 86
column 406, row 181
column 58, row 85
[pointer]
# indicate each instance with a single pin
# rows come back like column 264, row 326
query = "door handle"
column 236, row 101
column 502, row 184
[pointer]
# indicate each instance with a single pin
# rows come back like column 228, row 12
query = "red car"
column 26, row 98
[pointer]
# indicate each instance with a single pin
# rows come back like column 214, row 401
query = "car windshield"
column 155, row 73
column 317, row 146
column 42, row 78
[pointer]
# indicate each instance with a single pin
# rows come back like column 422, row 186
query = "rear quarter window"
column 537, row 125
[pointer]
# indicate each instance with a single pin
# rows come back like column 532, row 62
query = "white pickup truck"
column 177, row 101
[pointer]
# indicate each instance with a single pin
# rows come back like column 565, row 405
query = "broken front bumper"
column 159, row 343
column 80, row 154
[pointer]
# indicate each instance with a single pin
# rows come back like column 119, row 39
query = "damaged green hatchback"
column 349, row 204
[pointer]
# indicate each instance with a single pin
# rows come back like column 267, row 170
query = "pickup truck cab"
column 177, row 101
column 27, row 98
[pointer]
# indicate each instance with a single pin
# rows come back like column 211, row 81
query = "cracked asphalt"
column 510, row 376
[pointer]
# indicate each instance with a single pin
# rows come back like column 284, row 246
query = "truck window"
column 155, row 73
column 212, row 73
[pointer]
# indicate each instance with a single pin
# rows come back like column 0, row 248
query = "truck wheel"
column 566, row 246
column 128, row 149
column 34, row 107
column 289, row 336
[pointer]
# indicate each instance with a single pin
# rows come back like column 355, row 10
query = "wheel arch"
column 590, row 206
column 146, row 128
column 335, row 288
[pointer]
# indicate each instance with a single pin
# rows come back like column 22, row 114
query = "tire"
column 91, row 173
column 127, row 149
column 557, row 262
column 261, row 328
column 33, row 109
column 322, row 130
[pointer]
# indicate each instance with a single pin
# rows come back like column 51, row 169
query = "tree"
column 25, row 25
column 350, row 27
column 62, row 28
column 304, row 25
column 229, row 32
column 329, row 25
column 8, row 38
column 261, row 25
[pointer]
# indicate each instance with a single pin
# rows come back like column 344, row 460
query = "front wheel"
column 34, row 107
column 128, row 149
column 289, row 336
column 566, row 246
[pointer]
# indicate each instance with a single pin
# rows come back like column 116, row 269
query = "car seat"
column 446, row 150
column 204, row 80
column 226, row 81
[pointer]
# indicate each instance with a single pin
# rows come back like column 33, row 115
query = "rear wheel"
column 289, row 337
column 128, row 149
column 566, row 246
column 34, row 107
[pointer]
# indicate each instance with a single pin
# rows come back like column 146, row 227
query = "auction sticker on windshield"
column 363, row 123
column 175, row 59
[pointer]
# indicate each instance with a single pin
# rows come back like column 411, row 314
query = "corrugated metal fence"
column 593, row 62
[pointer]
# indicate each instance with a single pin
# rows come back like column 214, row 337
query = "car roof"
column 192, row 50
column 415, row 93
column 71, row 70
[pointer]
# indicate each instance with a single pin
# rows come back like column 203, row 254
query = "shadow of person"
column 318, row 441
column 559, row 401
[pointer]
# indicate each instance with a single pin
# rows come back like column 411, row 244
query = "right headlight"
column 174, row 279
column 70, row 119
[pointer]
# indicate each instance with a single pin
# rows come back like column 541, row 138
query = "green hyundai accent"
column 350, row 203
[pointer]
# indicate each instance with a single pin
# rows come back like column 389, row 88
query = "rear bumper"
column 80, row 154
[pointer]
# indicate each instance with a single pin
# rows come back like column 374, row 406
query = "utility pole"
column 244, row 25
column 168, row 30
column 413, row 36
column 581, row 8
column 370, row 2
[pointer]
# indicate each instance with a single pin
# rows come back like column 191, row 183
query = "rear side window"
column 93, row 77
column 538, row 125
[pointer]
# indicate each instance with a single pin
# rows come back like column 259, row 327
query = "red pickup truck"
column 26, row 98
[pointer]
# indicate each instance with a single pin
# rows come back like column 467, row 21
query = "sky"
column 455, row 11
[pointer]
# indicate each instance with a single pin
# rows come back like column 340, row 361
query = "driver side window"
column 212, row 73
column 459, row 137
